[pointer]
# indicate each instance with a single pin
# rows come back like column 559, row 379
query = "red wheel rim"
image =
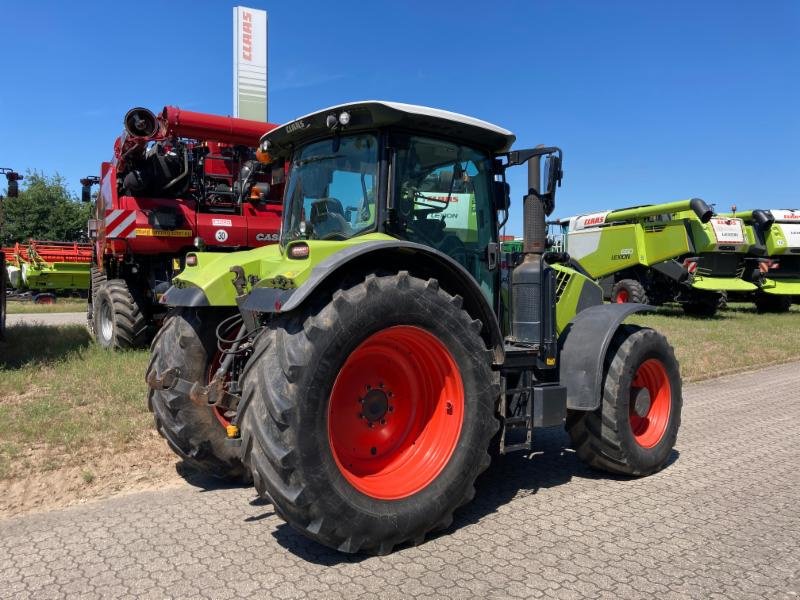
column 622, row 296
column 649, row 428
column 395, row 412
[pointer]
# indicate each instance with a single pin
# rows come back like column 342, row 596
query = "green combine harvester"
column 773, row 263
column 362, row 371
column 654, row 254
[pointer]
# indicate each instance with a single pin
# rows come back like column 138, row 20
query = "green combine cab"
column 773, row 261
column 672, row 252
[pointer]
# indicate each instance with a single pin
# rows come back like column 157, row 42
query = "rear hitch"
column 213, row 394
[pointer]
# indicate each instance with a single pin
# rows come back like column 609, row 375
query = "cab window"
column 443, row 200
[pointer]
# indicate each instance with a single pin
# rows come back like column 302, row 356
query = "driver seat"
column 321, row 209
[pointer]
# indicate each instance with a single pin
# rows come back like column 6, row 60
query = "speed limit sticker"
column 221, row 235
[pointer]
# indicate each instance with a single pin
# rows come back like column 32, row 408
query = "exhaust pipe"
column 140, row 122
column 534, row 234
column 526, row 279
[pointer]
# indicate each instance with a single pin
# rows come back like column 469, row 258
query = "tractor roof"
column 371, row 114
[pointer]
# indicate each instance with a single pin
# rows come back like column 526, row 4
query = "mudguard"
column 395, row 255
column 584, row 344
column 188, row 296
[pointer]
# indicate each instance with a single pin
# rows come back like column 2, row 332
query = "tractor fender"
column 584, row 344
column 396, row 255
column 190, row 296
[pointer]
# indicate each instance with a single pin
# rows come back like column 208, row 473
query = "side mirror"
column 542, row 182
column 13, row 178
column 552, row 173
column 502, row 195
column 86, row 187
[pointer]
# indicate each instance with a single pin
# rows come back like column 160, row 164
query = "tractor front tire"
column 772, row 303
column 368, row 421
column 634, row 430
column 187, row 342
column 119, row 323
column 628, row 290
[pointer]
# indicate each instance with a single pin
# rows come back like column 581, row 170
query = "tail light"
column 767, row 265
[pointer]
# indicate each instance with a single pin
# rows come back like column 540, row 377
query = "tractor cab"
column 413, row 173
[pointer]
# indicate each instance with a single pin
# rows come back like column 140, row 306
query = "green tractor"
column 773, row 263
column 360, row 370
column 672, row 252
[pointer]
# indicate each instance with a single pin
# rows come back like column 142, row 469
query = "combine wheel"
column 628, row 290
column 187, row 342
column 369, row 420
column 704, row 306
column 118, row 321
column 97, row 279
column 772, row 303
column 635, row 428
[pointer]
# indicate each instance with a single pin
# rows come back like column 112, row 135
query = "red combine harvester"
column 179, row 181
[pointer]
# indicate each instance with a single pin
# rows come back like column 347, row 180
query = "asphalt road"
column 66, row 318
column 721, row 521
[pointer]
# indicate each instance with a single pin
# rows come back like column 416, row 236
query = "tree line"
column 44, row 210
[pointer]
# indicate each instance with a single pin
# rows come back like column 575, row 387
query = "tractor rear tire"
column 628, row 290
column 368, row 420
column 97, row 279
column 188, row 342
column 119, row 323
column 772, row 303
column 634, row 430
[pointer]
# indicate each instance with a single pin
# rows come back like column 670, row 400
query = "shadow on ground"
column 551, row 463
column 35, row 344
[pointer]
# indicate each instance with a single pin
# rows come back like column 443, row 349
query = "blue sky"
column 651, row 101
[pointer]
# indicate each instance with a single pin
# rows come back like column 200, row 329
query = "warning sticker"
column 221, row 223
column 148, row 231
column 728, row 231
